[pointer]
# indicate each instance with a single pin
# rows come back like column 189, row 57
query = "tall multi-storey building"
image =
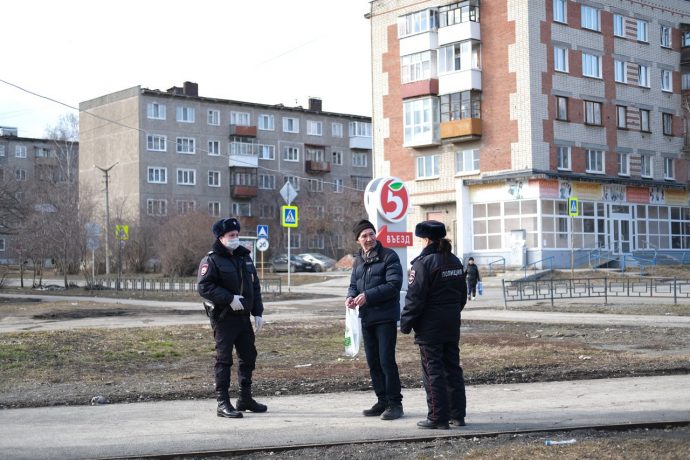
column 26, row 164
column 178, row 152
column 497, row 114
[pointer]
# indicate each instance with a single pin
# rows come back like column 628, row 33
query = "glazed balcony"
column 244, row 154
column 240, row 130
column 243, row 191
column 312, row 166
column 420, row 88
column 463, row 130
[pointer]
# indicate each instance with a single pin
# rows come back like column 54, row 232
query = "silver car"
column 320, row 261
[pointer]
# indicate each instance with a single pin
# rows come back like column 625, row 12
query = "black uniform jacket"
column 223, row 275
column 379, row 276
column 436, row 294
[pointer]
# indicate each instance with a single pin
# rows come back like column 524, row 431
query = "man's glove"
column 258, row 322
column 236, row 303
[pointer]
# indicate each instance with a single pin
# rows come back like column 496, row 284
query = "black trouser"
column 443, row 381
column 471, row 287
column 379, row 347
column 234, row 331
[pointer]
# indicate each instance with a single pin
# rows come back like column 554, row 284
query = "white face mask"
column 232, row 243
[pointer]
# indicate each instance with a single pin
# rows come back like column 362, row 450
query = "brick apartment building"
column 495, row 113
column 178, row 152
column 25, row 163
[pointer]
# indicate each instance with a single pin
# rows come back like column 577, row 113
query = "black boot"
column 225, row 408
column 246, row 402
column 392, row 412
column 376, row 410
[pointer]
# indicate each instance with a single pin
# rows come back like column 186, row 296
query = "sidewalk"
column 192, row 426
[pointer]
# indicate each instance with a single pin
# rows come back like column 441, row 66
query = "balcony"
column 463, row 130
column 312, row 166
column 418, row 43
column 468, row 30
column 244, row 154
column 240, row 130
column 462, row 80
column 243, row 191
column 420, row 88
column 360, row 142
column 685, row 55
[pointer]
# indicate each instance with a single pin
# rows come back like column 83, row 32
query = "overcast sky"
column 270, row 51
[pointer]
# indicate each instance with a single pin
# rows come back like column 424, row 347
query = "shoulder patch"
column 411, row 276
column 204, row 269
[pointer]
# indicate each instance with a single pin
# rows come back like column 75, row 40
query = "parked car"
column 321, row 262
column 297, row 264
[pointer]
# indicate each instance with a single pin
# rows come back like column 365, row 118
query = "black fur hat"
column 432, row 229
column 224, row 226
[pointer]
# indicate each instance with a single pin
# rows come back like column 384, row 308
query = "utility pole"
column 107, row 216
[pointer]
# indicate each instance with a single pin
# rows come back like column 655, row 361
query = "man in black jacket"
column 375, row 288
column 472, row 279
column 436, row 294
column 227, row 279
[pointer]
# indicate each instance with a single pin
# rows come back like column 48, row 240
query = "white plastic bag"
column 353, row 331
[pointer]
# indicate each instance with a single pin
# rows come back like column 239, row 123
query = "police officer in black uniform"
column 436, row 294
column 227, row 279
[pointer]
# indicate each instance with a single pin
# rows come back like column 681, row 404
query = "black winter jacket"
column 436, row 294
column 473, row 273
column 223, row 275
column 379, row 276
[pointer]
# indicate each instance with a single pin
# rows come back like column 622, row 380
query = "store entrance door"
column 620, row 234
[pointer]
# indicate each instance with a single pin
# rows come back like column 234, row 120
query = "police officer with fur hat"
column 227, row 279
column 436, row 294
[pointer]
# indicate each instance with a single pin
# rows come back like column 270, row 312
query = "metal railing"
column 550, row 259
column 535, row 290
column 599, row 254
column 641, row 262
column 499, row 260
column 173, row 285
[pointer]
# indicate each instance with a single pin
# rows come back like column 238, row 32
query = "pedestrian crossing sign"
column 262, row 231
column 572, row 206
column 289, row 216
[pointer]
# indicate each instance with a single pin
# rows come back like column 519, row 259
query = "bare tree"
column 184, row 241
column 13, row 209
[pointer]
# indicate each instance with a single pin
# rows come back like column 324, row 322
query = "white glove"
column 236, row 304
column 259, row 323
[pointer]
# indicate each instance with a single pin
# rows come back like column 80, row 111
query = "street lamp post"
column 107, row 216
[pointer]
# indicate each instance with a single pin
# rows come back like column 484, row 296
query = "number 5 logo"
column 394, row 200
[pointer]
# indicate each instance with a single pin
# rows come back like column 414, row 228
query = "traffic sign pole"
column 289, row 260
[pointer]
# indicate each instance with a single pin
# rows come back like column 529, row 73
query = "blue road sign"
column 262, row 231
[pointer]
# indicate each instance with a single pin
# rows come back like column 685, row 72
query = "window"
column 20, row 151
column 458, row 56
column 646, row 166
column 290, row 125
column 337, row 157
column 214, row 148
column 267, row 211
column 241, row 209
column 623, row 164
column 642, row 31
column 418, row 66
column 185, row 206
column 2, row 150
column 20, row 174
column 415, row 23
column 360, row 182
column 157, row 207
column 242, row 177
column 294, row 181
column 295, row 240
column 314, row 128
column 2, row 244
column 156, row 143
column 291, row 153
column 267, row 152
column 685, row 81
column 266, row 122
column 591, row 65
column 359, row 159
column 666, row 81
column 186, row 177
column 337, row 186
column 684, row 39
column 316, row 241
column 185, row 114
column 240, row 118
column 457, row 106
column 561, row 108
column 590, row 18
column 428, row 166
column 643, row 75
column 486, row 226
column 619, row 71
column 311, row 154
column 457, row 13
column 621, row 116
column 559, row 11
column 267, row 181
column 213, row 117
column 592, row 113
column 157, row 175
column 316, row 185
column 668, row 169
column 420, row 120
column 618, row 29
column 564, row 158
column 667, row 123
column 155, row 111
column 466, row 161
column 337, row 129
column 560, row 59
column 214, row 208
column 214, row 178
column 644, row 120
column 338, row 213
column 360, row 129
column 595, row 161
column 665, row 36
column 185, row 145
